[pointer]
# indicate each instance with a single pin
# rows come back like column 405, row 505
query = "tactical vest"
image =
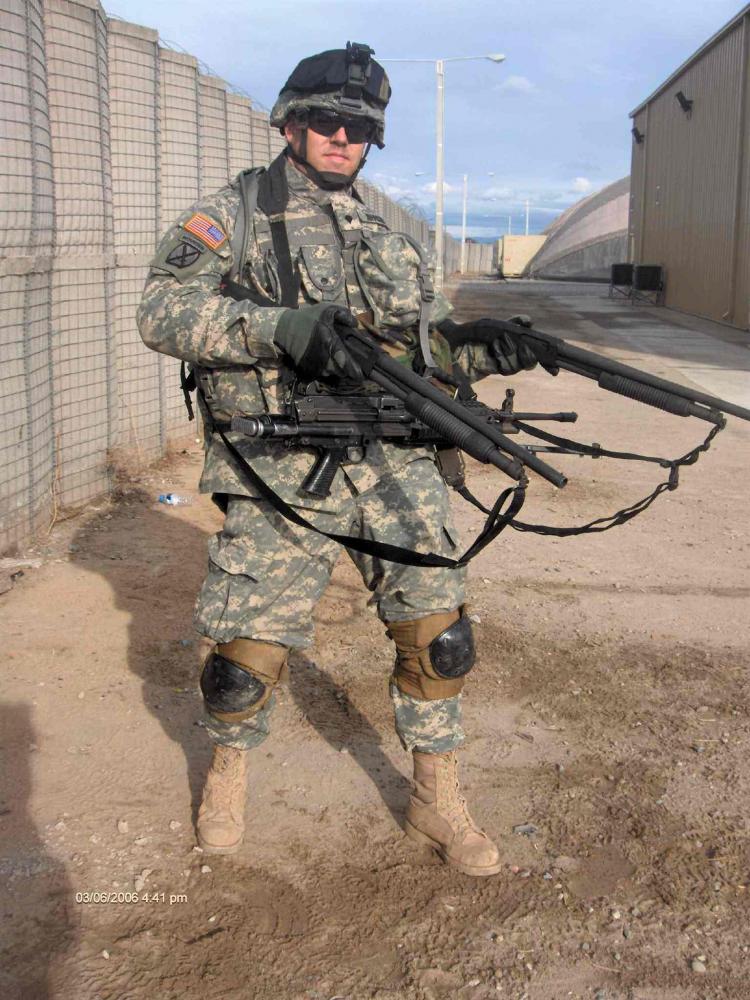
column 391, row 268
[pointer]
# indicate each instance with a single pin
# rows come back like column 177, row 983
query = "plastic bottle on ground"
column 175, row 499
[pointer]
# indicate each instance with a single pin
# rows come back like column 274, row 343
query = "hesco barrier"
column 107, row 137
column 480, row 258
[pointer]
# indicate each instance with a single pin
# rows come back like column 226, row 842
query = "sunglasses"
column 327, row 123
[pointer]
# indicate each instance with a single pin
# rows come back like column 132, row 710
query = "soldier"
column 300, row 255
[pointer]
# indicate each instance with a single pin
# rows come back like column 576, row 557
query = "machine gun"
column 342, row 426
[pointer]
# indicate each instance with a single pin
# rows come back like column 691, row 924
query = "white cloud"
column 395, row 190
column 496, row 194
column 582, row 185
column 431, row 188
column 516, row 85
column 397, row 187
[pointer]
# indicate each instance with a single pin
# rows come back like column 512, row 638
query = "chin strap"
column 329, row 180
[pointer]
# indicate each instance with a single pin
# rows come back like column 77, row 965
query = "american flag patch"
column 206, row 230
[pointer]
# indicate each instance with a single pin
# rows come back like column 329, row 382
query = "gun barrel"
column 567, row 417
column 266, row 425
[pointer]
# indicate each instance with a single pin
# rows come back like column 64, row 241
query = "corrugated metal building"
column 690, row 179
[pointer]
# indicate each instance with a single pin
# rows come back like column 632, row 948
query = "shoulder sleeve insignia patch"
column 206, row 230
column 184, row 254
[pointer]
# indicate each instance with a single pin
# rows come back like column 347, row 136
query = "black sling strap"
column 273, row 197
column 268, row 189
column 496, row 521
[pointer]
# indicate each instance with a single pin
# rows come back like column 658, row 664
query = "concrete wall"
column 589, row 263
column 480, row 258
column 107, row 137
column 587, row 238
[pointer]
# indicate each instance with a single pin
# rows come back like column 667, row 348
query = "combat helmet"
column 347, row 82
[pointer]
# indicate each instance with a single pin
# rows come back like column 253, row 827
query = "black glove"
column 511, row 353
column 545, row 354
column 309, row 337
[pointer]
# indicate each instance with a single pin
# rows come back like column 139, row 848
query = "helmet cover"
column 346, row 82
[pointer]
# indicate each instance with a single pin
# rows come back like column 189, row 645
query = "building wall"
column 107, row 137
column 690, row 210
column 515, row 252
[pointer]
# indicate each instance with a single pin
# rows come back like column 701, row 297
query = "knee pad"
column 239, row 677
column 433, row 655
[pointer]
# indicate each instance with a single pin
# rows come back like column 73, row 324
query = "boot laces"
column 227, row 768
column 465, row 823
column 458, row 808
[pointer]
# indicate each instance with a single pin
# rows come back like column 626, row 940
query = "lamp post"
column 495, row 57
column 462, row 268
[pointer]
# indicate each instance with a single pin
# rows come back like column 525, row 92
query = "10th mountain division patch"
column 184, row 254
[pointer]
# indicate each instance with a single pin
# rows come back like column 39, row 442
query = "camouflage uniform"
column 265, row 574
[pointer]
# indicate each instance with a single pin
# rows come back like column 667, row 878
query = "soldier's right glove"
column 309, row 337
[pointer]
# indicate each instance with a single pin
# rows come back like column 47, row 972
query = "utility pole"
column 495, row 57
column 440, row 172
column 463, row 226
column 527, row 216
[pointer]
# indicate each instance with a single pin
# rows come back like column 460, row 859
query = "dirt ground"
column 609, row 709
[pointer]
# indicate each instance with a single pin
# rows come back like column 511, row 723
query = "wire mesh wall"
column 107, row 138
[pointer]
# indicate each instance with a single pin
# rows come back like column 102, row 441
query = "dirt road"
column 609, row 710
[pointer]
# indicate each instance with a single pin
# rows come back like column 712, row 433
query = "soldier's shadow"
column 155, row 569
column 40, row 925
column 329, row 709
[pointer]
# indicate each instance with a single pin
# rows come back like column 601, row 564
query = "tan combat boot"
column 221, row 825
column 437, row 816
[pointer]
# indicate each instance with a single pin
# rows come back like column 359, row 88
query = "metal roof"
column 694, row 57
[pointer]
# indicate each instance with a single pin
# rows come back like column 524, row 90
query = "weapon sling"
column 620, row 516
column 496, row 521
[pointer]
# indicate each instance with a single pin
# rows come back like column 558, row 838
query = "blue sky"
column 549, row 124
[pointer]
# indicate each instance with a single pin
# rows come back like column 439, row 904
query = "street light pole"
column 495, row 57
column 463, row 225
column 439, row 171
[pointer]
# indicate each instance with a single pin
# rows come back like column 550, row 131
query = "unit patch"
column 184, row 254
column 206, row 230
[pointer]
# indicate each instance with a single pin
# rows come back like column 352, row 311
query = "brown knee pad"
column 433, row 654
column 239, row 677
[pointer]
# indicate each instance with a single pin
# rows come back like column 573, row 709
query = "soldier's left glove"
column 510, row 352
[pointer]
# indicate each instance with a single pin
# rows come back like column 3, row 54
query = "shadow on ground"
column 37, row 896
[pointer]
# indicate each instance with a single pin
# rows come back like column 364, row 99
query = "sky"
column 549, row 125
